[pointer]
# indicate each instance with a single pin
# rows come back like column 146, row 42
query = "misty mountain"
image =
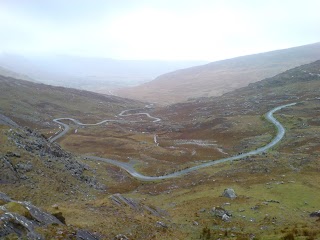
column 9, row 73
column 217, row 78
column 96, row 74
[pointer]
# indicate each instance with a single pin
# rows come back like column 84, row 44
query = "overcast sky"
column 157, row 29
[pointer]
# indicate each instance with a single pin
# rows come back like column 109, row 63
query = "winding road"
column 137, row 175
column 155, row 119
column 122, row 114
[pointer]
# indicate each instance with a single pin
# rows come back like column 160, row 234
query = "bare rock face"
column 229, row 193
column 21, row 219
column 4, row 120
column 85, row 235
column 8, row 172
column 51, row 154
column 136, row 205
column 4, row 198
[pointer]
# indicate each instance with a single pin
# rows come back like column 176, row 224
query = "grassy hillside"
column 36, row 105
column 276, row 191
column 217, row 78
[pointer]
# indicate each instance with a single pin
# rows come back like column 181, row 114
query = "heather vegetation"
column 273, row 195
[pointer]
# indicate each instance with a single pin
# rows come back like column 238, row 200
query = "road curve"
column 155, row 119
column 66, row 126
column 134, row 173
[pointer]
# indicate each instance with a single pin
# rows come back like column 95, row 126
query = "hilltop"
column 217, row 78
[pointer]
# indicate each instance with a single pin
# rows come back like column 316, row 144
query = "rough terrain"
column 274, row 195
column 217, row 78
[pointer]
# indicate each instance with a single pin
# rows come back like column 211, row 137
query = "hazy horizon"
column 156, row 30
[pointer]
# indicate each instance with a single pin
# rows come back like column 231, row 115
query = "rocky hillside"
column 31, row 162
column 22, row 220
column 32, row 168
column 35, row 105
column 273, row 195
column 295, row 85
column 73, row 199
column 217, row 78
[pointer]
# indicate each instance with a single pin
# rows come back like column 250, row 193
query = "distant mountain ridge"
column 217, row 78
column 89, row 73
column 8, row 73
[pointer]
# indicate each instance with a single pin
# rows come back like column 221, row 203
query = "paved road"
column 134, row 173
column 66, row 127
column 122, row 114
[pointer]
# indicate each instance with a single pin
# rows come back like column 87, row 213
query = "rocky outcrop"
column 8, row 171
column 85, row 235
column 22, row 220
column 136, row 205
column 50, row 153
column 229, row 193
column 221, row 213
column 4, row 120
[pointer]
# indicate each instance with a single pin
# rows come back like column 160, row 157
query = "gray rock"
column 24, row 227
column 226, row 218
column 5, row 198
column 8, row 172
column 15, row 223
column 39, row 215
column 220, row 212
column 4, row 120
column 315, row 214
column 13, row 154
column 24, row 167
column 85, row 235
column 51, row 153
column 136, row 205
column 229, row 193
column 120, row 200
column 161, row 224
column 195, row 223
column 24, row 177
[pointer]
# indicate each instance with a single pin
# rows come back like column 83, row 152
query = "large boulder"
column 229, row 193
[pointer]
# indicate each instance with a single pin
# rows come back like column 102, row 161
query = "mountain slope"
column 89, row 73
column 276, row 192
column 36, row 105
column 219, row 77
column 8, row 73
column 294, row 85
